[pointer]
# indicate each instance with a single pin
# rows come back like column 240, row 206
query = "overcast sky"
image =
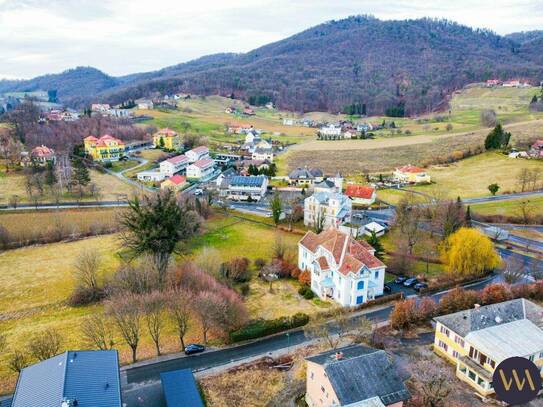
column 127, row 36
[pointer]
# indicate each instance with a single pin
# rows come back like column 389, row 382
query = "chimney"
column 477, row 306
column 339, row 355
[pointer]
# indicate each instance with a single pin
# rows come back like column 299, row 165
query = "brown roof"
column 410, row 168
column 323, row 263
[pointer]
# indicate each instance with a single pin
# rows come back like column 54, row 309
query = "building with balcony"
column 105, row 148
column 477, row 340
column 325, row 209
column 198, row 153
column 342, row 268
column 168, row 139
column 174, row 165
column 201, row 170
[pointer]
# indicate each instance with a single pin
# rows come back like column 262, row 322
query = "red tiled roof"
column 42, row 151
column 359, row 191
column 102, row 140
column 201, row 149
column 323, row 263
column 177, row 159
column 204, row 162
column 167, row 132
column 410, row 168
column 178, row 179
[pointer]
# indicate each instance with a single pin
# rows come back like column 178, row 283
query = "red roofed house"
column 536, row 150
column 175, row 183
column 412, row 175
column 197, row 153
column 175, row 164
column 42, row 155
column 361, row 194
column 201, row 169
column 342, row 268
column 105, row 148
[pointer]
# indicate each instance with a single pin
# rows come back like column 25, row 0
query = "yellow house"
column 175, row 183
column 479, row 339
column 412, row 175
column 105, row 148
column 168, row 139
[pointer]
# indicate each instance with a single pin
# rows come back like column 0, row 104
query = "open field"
column 510, row 207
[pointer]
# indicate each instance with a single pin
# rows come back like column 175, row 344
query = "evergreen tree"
column 534, row 100
column 161, row 142
column 277, row 208
column 497, row 138
column 374, row 241
column 50, row 176
column 81, row 177
column 468, row 217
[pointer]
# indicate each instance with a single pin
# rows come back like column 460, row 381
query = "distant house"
column 329, row 185
column 411, row 174
column 342, row 268
column 175, row 183
column 327, row 209
column 536, row 150
column 248, row 111
column 493, row 82
column 201, row 169
column 354, row 376
column 240, row 188
column 105, row 148
column 167, row 138
column 330, row 130
column 263, row 154
column 174, row 165
column 288, row 122
column 151, row 176
column 42, row 155
column 100, row 107
column 252, row 137
column 197, row 153
column 374, row 227
column 144, row 104
column 361, row 194
column 305, row 176
column 73, row 378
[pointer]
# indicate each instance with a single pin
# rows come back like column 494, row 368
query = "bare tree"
column 526, row 210
column 434, row 382
column 153, row 307
column 45, row 344
column 125, row 309
column 408, row 219
column 203, row 307
column 97, row 332
column 86, row 268
column 179, row 308
column 523, row 178
column 17, row 361
column 270, row 273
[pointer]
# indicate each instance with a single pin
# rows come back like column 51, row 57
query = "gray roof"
column 471, row 320
column 305, row 173
column 90, row 377
column 326, row 184
column 324, row 197
column 362, row 373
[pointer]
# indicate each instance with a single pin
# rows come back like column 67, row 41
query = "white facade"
column 342, row 268
column 201, row 169
column 174, row 165
column 151, row 176
column 263, row 154
column 198, row 153
column 332, row 209
column 330, row 130
column 241, row 188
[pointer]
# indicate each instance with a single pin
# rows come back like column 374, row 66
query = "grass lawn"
column 119, row 166
column 511, row 207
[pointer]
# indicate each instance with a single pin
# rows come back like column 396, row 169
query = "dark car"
column 194, row 348
column 387, row 288
column 420, row 286
column 400, row 279
column 410, row 282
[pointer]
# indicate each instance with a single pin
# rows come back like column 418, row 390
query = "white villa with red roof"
column 342, row 268
column 361, row 194
column 412, row 175
column 41, row 155
column 198, row 153
column 201, row 169
column 173, row 165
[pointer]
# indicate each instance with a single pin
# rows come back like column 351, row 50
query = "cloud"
column 126, row 36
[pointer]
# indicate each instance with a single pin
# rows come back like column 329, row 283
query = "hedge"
column 263, row 327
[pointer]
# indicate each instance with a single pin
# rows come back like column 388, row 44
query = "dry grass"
column 511, row 207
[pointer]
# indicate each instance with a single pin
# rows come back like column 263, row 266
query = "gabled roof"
column 90, row 377
column 306, row 173
column 204, row 163
column 200, row 150
column 410, row 169
column 42, row 151
column 362, row 373
column 167, row 132
column 178, row 159
column 101, row 142
column 177, row 179
column 359, row 191
column 250, row 181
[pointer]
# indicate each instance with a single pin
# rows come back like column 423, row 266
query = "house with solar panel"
column 252, row 188
column 88, row 378
column 355, row 375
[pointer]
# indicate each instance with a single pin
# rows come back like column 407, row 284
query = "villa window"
column 360, row 285
column 455, row 354
column 443, row 345
column 312, row 375
column 459, row 340
column 444, row 331
column 322, row 389
column 376, row 275
column 463, row 369
column 472, row 375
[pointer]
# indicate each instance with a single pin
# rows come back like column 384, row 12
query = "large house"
column 198, row 153
column 411, row 174
column 263, row 154
column 167, row 138
column 305, row 176
column 479, row 339
column 330, row 130
column 105, row 148
column 42, row 155
column 175, row 183
column 73, row 378
column 327, row 209
column 241, row 188
column 174, row 165
column 536, row 150
column 201, row 169
column 352, row 376
column 361, row 194
column 342, row 268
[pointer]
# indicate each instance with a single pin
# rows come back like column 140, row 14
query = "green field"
column 510, row 207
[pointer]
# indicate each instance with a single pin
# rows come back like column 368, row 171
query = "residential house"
column 330, row 130
column 411, row 174
column 269, row 106
column 361, row 194
column 263, row 154
column 536, row 150
column 105, row 148
column 479, row 339
column 198, row 153
column 144, row 104
column 174, row 165
column 242, row 188
column 73, row 378
column 252, row 137
column 42, row 155
column 493, row 82
column 374, row 227
column 167, row 138
column 248, row 111
column 330, row 185
column 100, row 107
column 288, row 121
column 201, row 169
column 305, row 176
column 342, row 268
column 349, row 134
column 354, row 375
column 243, row 165
column 180, row 389
column 175, row 183
column 151, row 176
column 327, row 209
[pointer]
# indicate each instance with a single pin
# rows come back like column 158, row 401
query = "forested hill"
column 382, row 64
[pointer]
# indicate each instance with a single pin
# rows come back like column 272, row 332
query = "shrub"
column 404, row 314
column 85, row 296
column 259, row 263
column 306, row 292
column 263, row 327
column 458, row 299
column 244, row 289
column 495, row 293
column 305, row 277
column 236, row 270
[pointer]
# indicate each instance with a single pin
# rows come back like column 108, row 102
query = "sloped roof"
column 204, row 163
column 42, row 151
column 180, row 389
column 200, row 150
column 410, row 169
column 101, row 142
column 361, row 374
column 167, row 132
column 178, row 159
column 306, row 173
column 323, row 263
column 249, row 181
column 90, row 377
column 177, row 179
column 359, row 191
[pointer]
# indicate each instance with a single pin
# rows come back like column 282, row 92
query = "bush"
column 85, row 296
column 305, row 277
column 458, row 299
column 260, row 263
column 306, row 292
column 263, row 327
column 495, row 293
column 244, row 289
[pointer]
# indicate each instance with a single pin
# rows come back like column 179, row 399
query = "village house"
column 288, row 121
column 242, row 188
column 330, row 130
column 536, row 150
column 42, row 155
column 100, row 107
column 237, row 128
column 329, row 185
column 305, row 177
column 263, row 154
column 105, row 148
column 201, row 169
column 151, row 176
column 144, row 104
column 342, row 269
column 197, row 153
column 411, row 174
column 168, row 139
column 252, row 137
column 374, row 227
column 492, row 82
column 354, row 375
column 175, row 183
column 327, row 209
column 174, row 165
column 361, row 194
column 477, row 340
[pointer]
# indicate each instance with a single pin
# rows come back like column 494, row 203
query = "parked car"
column 387, row 288
column 198, row 192
column 410, row 282
column 400, row 279
column 420, row 286
column 194, row 348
